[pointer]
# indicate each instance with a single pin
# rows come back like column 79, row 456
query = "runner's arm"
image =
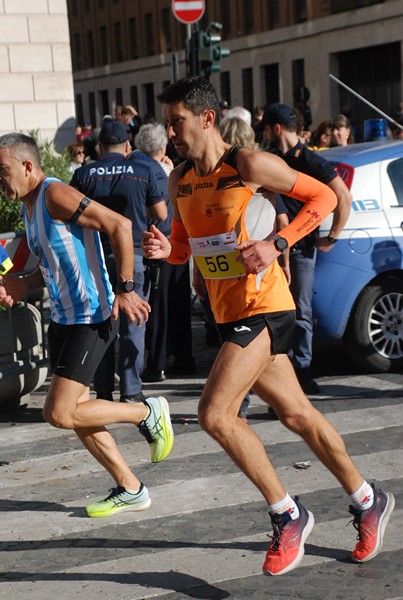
column 13, row 287
column 340, row 213
column 62, row 202
column 261, row 169
column 176, row 250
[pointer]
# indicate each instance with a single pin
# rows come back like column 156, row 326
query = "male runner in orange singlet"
column 253, row 307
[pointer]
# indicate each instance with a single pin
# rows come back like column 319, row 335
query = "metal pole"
column 378, row 110
column 190, row 56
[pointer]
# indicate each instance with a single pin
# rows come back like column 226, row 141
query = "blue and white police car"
column 358, row 290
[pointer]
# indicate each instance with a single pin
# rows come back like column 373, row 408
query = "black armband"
column 85, row 202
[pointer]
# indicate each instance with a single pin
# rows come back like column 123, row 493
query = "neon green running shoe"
column 157, row 428
column 118, row 500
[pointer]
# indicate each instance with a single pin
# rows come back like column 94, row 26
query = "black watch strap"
column 125, row 286
column 331, row 239
column 85, row 202
column 280, row 243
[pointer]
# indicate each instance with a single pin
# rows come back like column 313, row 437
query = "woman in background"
column 77, row 156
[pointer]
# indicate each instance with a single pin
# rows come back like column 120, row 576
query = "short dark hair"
column 196, row 93
column 23, row 146
column 281, row 114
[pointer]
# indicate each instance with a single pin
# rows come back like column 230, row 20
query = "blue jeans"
column 131, row 343
column 302, row 266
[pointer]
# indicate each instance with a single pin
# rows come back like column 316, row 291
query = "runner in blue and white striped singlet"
column 72, row 265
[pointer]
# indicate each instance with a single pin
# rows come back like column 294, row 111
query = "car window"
column 395, row 172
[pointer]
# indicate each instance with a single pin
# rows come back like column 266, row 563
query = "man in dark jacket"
column 131, row 184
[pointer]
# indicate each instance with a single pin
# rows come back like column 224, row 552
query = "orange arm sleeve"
column 319, row 201
column 179, row 241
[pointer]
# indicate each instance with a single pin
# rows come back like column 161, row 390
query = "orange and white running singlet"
column 219, row 211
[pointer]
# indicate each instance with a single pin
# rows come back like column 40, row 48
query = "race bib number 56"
column 215, row 256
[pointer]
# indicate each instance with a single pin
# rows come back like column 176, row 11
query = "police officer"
column 281, row 127
column 131, row 184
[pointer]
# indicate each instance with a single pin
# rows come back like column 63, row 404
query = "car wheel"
column 375, row 334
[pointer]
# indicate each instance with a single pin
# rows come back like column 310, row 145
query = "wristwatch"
column 280, row 243
column 125, row 286
column 331, row 239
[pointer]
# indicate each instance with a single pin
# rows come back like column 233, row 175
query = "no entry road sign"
column 188, row 11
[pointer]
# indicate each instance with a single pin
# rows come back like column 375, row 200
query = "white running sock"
column 287, row 505
column 363, row 498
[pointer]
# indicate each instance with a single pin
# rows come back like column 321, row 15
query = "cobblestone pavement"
column 205, row 534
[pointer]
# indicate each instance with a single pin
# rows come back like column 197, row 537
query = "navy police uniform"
column 303, row 254
column 127, row 185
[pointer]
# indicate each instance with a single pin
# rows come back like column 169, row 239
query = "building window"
column 271, row 84
column 103, row 43
column 134, row 96
column 74, row 8
column 166, row 40
column 92, row 109
column 248, row 17
column 101, row 3
column 104, row 102
column 149, row 96
column 133, row 47
column 117, row 33
column 374, row 73
column 298, row 78
column 119, row 97
column 273, row 12
column 90, row 50
column 299, row 11
column 79, row 110
column 149, row 34
column 247, row 88
column 77, row 54
column 225, row 20
column 87, row 6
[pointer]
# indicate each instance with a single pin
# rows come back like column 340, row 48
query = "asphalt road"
column 205, row 534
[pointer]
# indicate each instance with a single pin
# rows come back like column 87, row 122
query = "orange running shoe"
column 287, row 547
column 371, row 525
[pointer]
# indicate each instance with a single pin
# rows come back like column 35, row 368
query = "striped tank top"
column 72, row 263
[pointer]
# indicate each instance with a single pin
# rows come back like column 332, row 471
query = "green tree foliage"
column 53, row 165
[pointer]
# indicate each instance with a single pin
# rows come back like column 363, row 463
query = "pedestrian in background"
column 280, row 124
column 132, row 121
column 341, row 131
column 321, row 136
column 133, row 185
column 77, row 156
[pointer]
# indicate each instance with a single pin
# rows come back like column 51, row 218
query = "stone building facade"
column 36, row 82
column 126, row 51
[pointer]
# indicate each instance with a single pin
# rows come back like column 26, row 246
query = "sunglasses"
column 79, row 152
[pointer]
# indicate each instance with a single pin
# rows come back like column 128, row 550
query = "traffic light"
column 209, row 52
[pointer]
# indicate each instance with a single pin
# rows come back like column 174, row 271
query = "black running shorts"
column 280, row 325
column 75, row 351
